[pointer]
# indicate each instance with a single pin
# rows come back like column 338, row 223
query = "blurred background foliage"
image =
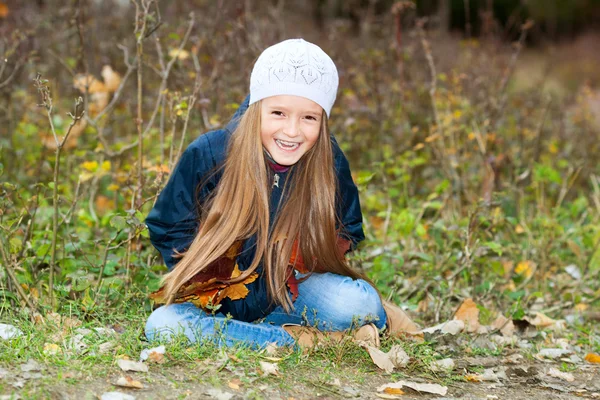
column 471, row 127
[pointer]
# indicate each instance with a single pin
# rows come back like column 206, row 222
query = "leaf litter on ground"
column 396, row 357
column 155, row 354
column 432, row 388
column 128, row 365
column 128, row 382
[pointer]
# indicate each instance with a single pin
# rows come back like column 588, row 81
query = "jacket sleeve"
column 349, row 204
column 174, row 220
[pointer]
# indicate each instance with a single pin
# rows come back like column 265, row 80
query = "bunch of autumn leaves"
column 99, row 93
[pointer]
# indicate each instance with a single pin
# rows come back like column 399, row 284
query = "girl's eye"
column 311, row 118
column 278, row 113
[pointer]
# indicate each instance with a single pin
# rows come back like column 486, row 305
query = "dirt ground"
column 526, row 381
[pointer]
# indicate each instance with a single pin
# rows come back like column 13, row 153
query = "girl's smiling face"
column 290, row 127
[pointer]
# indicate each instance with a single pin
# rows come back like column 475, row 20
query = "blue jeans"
column 326, row 301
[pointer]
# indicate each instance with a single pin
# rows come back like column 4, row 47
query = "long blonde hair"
column 239, row 210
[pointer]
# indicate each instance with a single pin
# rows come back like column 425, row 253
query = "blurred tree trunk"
column 443, row 15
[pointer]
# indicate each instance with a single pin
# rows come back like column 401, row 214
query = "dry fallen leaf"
column 51, row 349
column 592, row 358
column 129, row 382
column 540, row 320
column 381, row 359
column 469, row 314
column 9, row 332
column 552, row 353
column 451, row 327
column 487, row 376
column 398, row 356
column 393, row 391
column 447, row 364
column 128, row 365
column 271, row 349
column 235, row 384
column 526, row 268
column 433, row 388
column 269, row 368
column 155, row 354
column 505, row 325
column 565, row 376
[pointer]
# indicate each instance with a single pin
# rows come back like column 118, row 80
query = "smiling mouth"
column 288, row 146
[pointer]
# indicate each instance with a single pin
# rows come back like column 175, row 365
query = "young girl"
column 256, row 218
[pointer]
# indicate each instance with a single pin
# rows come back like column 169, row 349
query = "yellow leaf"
column 180, row 54
column 106, row 166
column 525, row 268
column 85, row 176
column 592, row 358
column 113, row 188
column 51, row 348
column 432, row 138
column 214, row 121
column 472, row 378
column 519, row 229
column 91, row 166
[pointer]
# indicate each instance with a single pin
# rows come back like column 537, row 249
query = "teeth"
column 286, row 145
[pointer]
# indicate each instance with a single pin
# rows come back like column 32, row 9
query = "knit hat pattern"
column 295, row 67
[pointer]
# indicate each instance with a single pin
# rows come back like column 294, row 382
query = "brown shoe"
column 398, row 322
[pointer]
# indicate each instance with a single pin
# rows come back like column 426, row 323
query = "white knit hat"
column 295, row 67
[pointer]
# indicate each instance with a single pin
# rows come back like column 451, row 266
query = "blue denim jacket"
column 174, row 220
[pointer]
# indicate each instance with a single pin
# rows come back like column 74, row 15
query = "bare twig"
column 44, row 91
column 161, row 90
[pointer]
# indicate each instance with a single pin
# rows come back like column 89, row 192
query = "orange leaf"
column 390, row 390
column 592, row 358
column 3, row 10
column 469, row 313
column 234, row 292
column 80, row 82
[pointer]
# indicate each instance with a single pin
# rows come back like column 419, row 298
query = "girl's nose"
column 292, row 129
